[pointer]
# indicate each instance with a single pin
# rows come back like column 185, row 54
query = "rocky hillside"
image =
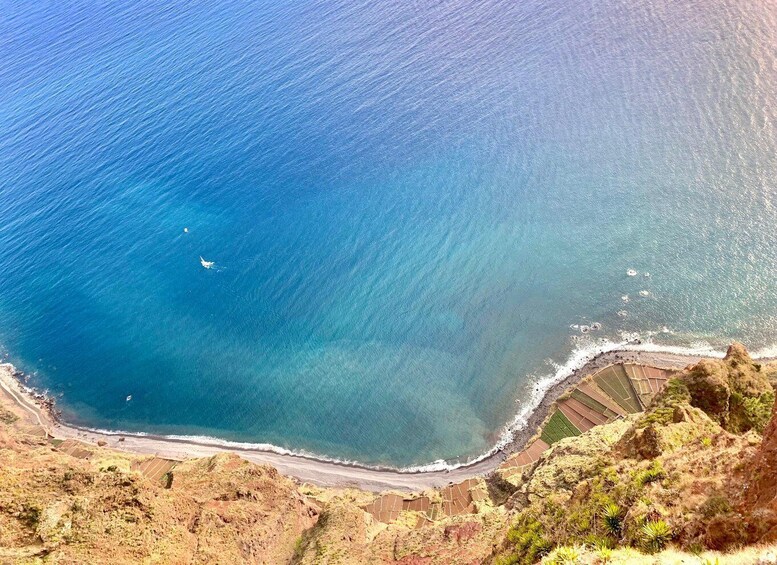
column 679, row 474
column 689, row 476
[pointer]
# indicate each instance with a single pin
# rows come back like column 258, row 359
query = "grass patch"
column 652, row 474
column 527, row 541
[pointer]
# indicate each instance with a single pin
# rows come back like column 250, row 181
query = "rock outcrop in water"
column 688, row 475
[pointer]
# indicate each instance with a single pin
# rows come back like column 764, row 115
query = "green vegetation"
column 527, row 542
column 662, row 408
column 613, row 521
column 650, row 475
column 564, row 555
column 593, row 404
column 558, row 427
column 604, row 554
column 655, row 535
column 750, row 413
column 714, row 506
column 30, row 515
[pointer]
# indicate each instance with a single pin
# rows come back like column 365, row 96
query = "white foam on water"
column 766, row 352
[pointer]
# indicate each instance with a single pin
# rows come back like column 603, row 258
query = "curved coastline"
column 330, row 472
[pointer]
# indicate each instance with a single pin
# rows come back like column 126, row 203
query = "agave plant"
column 655, row 535
column 611, row 514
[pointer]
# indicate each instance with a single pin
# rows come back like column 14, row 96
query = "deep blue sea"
column 411, row 208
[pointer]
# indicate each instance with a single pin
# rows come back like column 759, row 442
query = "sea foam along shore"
column 329, row 472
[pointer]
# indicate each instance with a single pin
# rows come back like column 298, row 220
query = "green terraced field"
column 558, row 427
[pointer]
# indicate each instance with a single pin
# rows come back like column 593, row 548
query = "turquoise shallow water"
column 412, row 208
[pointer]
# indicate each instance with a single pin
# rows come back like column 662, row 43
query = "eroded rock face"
column 734, row 391
column 707, row 382
column 762, row 488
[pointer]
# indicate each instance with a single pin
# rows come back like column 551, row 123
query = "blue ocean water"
column 411, row 207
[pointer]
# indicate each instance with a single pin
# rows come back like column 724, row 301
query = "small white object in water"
column 596, row 326
column 622, row 313
column 631, row 273
column 665, row 330
column 625, row 297
column 644, row 293
column 206, row 264
column 129, row 397
column 647, row 275
column 185, row 230
column 584, row 329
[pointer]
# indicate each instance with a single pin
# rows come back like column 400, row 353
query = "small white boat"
column 206, row 264
column 129, row 397
column 644, row 293
column 631, row 273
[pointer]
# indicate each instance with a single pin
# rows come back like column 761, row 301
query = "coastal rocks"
column 734, row 391
column 669, row 424
column 707, row 382
column 75, row 502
